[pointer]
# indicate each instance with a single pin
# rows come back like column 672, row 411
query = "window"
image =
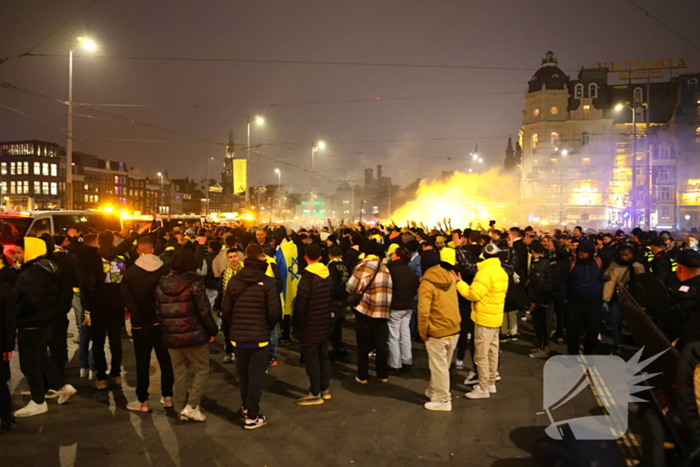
column 554, row 139
column 586, row 161
column 375, row 209
column 13, row 187
column 45, row 188
column 25, row 187
column 586, row 112
column 585, row 138
column 638, row 95
column 663, row 174
column 3, row 168
column 13, row 168
column 536, row 112
column 553, row 161
column 535, row 162
column 693, row 83
column 534, row 140
column 664, row 152
column 26, row 168
column 37, row 188
column 578, row 91
column 45, row 169
column 554, row 111
column 665, row 212
column 39, row 228
column 54, row 188
column 592, row 90
column 54, row 170
column 663, row 193
column 3, row 187
column 697, row 134
column 37, row 168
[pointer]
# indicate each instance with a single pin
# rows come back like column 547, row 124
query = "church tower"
column 510, row 163
column 227, row 174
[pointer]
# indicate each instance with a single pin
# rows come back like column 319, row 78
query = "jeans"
column 35, row 363
column 510, row 323
column 99, row 335
column 400, row 338
column 366, row 329
column 186, row 390
column 616, row 312
column 85, row 355
column 440, row 353
column 274, row 343
column 486, row 345
column 251, row 365
column 318, row 366
column 147, row 339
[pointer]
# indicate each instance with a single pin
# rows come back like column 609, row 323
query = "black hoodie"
column 37, row 293
column 139, row 289
column 251, row 304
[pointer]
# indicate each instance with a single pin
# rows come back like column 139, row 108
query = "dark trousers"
column 147, row 339
column 318, row 366
column 286, row 327
column 58, row 345
column 338, row 320
column 251, row 365
column 583, row 317
column 560, row 313
column 466, row 326
column 226, row 328
column 5, row 396
column 113, row 329
column 35, row 362
column 539, row 322
column 372, row 331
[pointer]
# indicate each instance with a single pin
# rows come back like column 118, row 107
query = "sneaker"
column 513, row 339
column 84, row 372
column 472, row 379
column 459, row 365
column 65, row 393
column 92, row 375
column 492, row 388
column 261, row 420
column 503, row 338
column 167, row 402
column 361, row 381
column 560, row 340
column 52, row 394
column 439, row 406
column 189, row 413
column 32, row 409
column 137, row 406
column 478, row 393
column 373, row 354
column 310, row 399
column 229, row 357
column 539, row 354
column 498, row 376
column 383, row 380
column 274, row 362
column 243, row 413
column 326, row 395
column 115, row 381
column 101, row 385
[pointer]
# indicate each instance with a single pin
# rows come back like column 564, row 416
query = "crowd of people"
column 453, row 290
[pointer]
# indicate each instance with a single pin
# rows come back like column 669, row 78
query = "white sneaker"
column 84, row 372
column 439, row 406
column 472, row 379
column 492, row 388
column 228, row 358
column 32, row 409
column 478, row 393
column 92, row 375
column 137, row 406
column 197, row 415
column 373, row 354
column 52, row 394
column 498, row 376
column 65, row 393
column 167, row 402
column 459, row 365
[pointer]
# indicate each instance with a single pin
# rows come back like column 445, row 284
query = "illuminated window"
column 554, row 111
column 13, row 168
column 26, row 168
column 54, row 170
column 37, row 188
column 54, row 188
column 534, row 140
column 535, row 162
column 586, row 112
column 37, row 168
column 553, row 160
column 586, row 161
column 585, row 138
column 45, row 187
column 375, row 209
column 697, row 134
column 663, row 193
column 592, row 90
column 578, row 91
column 3, row 168
column 536, row 112
column 13, row 188
column 3, row 187
column 554, row 139
column 45, row 169
column 638, row 94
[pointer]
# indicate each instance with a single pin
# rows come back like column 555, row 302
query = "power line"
column 665, row 26
column 22, row 113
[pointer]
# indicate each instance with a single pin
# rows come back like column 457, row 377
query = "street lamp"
column 162, row 199
column 207, row 182
column 315, row 146
column 90, row 46
column 279, row 192
column 260, row 121
column 633, row 195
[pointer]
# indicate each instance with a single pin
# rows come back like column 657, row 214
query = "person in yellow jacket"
column 488, row 294
column 438, row 326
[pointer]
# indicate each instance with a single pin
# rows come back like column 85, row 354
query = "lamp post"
column 564, row 153
column 633, row 195
column 279, row 193
column 207, row 182
column 315, row 147
column 162, row 199
column 90, row 46
column 259, row 120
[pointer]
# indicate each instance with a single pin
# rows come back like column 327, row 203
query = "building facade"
column 31, row 175
column 576, row 146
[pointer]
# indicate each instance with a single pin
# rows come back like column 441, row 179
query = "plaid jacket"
column 375, row 301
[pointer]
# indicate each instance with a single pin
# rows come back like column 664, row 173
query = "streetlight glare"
column 481, row 160
column 619, row 107
column 87, row 44
column 160, row 174
column 277, row 171
column 475, row 156
column 321, row 145
column 564, row 152
column 259, row 120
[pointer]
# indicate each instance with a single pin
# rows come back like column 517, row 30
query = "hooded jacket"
column 539, row 281
column 252, row 304
column 139, row 289
column 438, row 309
column 488, row 291
column 184, row 311
column 312, row 317
column 37, row 291
column 404, row 285
column 339, row 274
column 582, row 281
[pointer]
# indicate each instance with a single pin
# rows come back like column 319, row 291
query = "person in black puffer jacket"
column 405, row 287
column 186, row 325
column 252, row 305
column 312, row 322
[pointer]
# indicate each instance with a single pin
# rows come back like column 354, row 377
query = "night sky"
column 509, row 38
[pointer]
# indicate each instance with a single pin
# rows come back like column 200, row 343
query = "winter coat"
column 661, row 267
column 339, row 274
column 139, row 289
column 618, row 275
column 184, row 312
column 351, row 258
column 438, row 310
column 404, row 285
column 539, row 282
column 252, row 304
column 488, row 291
column 521, row 268
column 210, row 280
column 312, row 317
column 583, row 283
column 8, row 319
column 37, row 292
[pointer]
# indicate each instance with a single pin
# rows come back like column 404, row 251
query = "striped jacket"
column 377, row 300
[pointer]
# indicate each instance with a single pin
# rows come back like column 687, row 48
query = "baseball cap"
column 657, row 241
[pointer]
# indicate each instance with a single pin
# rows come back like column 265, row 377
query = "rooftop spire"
column 230, row 146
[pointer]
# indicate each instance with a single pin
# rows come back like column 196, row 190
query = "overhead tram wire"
column 665, row 26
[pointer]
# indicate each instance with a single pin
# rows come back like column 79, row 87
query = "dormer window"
column 693, row 83
column 638, row 95
column 593, row 90
column 578, row 91
column 555, row 76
